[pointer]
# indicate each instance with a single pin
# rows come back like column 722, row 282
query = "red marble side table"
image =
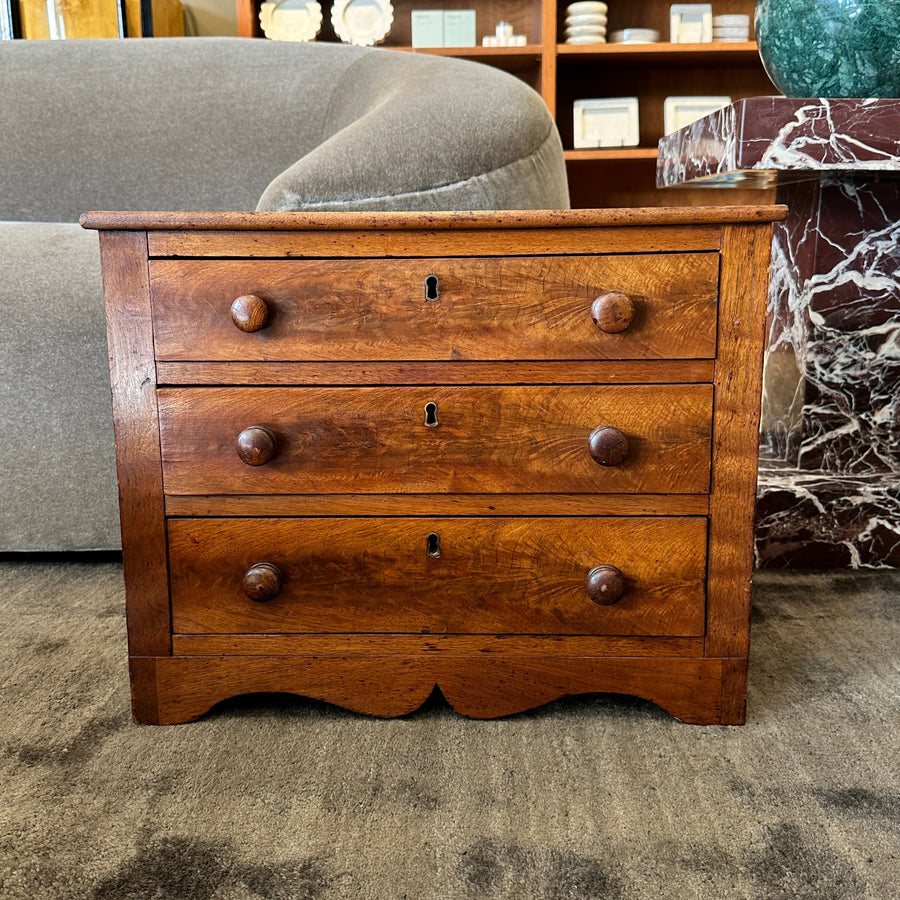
column 829, row 493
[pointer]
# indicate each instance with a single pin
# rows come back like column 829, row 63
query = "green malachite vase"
column 831, row 48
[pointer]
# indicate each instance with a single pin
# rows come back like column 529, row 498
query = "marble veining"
column 756, row 141
column 830, row 435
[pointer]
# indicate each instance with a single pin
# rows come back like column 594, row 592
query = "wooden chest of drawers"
column 512, row 455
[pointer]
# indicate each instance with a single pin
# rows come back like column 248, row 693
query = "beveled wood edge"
column 390, row 221
column 738, row 384
column 446, row 644
column 696, row 691
column 126, row 287
column 410, row 373
column 462, row 505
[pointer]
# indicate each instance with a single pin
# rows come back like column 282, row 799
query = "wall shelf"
column 563, row 73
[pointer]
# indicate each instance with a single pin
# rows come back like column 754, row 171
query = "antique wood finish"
column 133, row 380
column 180, row 689
column 440, row 505
column 487, row 439
column 736, row 429
column 656, row 371
column 493, row 575
column 508, row 454
column 496, row 308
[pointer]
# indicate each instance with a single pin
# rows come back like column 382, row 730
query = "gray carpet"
column 589, row 797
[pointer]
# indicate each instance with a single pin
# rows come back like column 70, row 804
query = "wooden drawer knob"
column 256, row 445
column 605, row 585
column 612, row 312
column 262, row 582
column 250, row 313
column 607, row 445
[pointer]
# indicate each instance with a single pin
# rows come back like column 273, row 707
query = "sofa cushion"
column 411, row 132
column 174, row 124
column 57, row 462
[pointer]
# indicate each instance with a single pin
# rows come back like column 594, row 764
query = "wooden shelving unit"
column 562, row 74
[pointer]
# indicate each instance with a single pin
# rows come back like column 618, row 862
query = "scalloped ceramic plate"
column 362, row 22
column 291, row 20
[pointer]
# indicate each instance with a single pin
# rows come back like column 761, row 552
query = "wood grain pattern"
column 487, row 687
column 411, row 644
column 441, row 505
column 494, row 575
column 369, row 614
column 568, row 221
column 490, row 439
column 389, row 243
column 133, row 380
column 666, row 371
column 736, row 438
column 514, row 308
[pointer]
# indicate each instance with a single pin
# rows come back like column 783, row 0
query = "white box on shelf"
column 607, row 122
column 427, row 28
column 690, row 23
column 678, row 112
column 459, row 28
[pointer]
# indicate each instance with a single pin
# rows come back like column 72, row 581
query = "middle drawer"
column 409, row 440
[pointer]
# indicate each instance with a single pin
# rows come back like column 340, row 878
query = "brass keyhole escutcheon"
column 433, row 546
column 432, row 288
column 431, row 415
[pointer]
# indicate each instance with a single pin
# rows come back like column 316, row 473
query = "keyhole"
column 433, row 546
column 431, row 418
column 432, row 288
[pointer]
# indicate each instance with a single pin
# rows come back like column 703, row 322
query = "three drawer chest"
column 511, row 455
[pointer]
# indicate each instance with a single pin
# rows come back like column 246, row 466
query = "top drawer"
column 511, row 308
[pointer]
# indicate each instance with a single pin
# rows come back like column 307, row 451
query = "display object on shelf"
column 585, row 28
column 731, row 28
column 690, row 23
column 362, row 22
column 459, row 27
column 291, row 20
column 634, row 36
column 608, row 122
column 679, row 112
column 503, row 36
column 427, row 27
column 835, row 50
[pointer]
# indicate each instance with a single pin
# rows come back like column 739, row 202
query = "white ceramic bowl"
column 586, row 6
column 731, row 21
column 587, row 39
column 586, row 31
column 594, row 19
column 634, row 36
column 735, row 32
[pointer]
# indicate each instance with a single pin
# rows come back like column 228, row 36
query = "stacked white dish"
column 634, row 36
column 586, row 22
column 731, row 28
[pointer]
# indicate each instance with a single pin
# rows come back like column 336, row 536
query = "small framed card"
column 607, row 122
column 427, row 28
column 690, row 23
column 678, row 112
column 459, row 28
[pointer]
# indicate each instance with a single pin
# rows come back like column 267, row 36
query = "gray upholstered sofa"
column 211, row 124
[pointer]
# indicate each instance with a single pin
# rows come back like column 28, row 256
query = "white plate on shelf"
column 586, row 31
column 362, row 22
column 587, row 39
column 634, row 36
column 291, row 20
column 586, row 6
column 586, row 20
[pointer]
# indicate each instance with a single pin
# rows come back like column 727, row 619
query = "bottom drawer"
column 443, row 575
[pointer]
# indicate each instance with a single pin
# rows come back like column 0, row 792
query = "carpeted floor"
column 589, row 797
